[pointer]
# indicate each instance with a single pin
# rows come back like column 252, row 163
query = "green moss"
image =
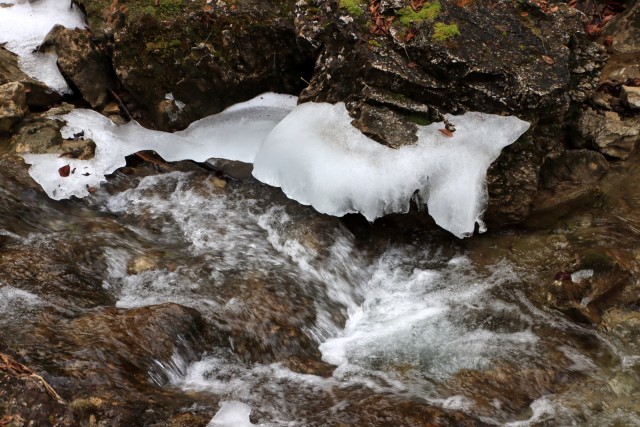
column 352, row 6
column 441, row 31
column 374, row 43
column 429, row 11
column 420, row 119
column 164, row 8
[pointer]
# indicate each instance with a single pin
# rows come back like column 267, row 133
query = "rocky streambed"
column 188, row 294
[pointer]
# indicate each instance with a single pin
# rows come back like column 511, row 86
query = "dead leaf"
column 553, row 9
column 64, row 171
column 608, row 41
column 549, row 60
column 446, row 132
column 409, row 36
column 412, row 65
column 524, row 13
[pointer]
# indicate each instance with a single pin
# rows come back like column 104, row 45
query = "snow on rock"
column 319, row 159
column 235, row 134
column 24, row 25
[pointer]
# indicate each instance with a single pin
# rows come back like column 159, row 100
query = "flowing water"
column 310, row 321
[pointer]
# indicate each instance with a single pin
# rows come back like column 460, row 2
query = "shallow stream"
column 308, row 319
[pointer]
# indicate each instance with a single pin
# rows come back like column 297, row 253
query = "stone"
column 38, row 94
column 82, row 63
column 625, row 29
column 41, row 135
column 208, row 56
column 608, row 132
column 385, row 126
column 13, row 105
column 631, row 96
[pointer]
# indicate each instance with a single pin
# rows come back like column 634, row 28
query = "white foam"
column 234, row 134
column 15, row 301
column 319, row 159
column 24, row 26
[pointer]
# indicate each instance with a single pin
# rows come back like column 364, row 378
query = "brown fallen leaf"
column 608, row 41
column 64, row 171
column 446, row 132
column 412, row 65
column 549, row 60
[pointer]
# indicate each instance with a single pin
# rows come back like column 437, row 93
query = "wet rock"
column 608, row 133
column 386, row 411
column 568, row 182
column 631, row 96
column 13, row 105
column 26, row 399
column 263, row 326
column 38, row 94
column 623, row 326
column 231, row 168
column 82, row 63
column 509, row 388
column 128, row 346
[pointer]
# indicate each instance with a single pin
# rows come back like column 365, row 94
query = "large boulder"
column 394, row 65
column 184, row 60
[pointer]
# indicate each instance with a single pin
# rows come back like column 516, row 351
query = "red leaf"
column 64, row 171
column 446, row 132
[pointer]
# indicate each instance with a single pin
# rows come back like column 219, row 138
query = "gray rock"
column 82, row 63
column 13, row 105
column 385, row 126
column 631, row 96
column 608, row 133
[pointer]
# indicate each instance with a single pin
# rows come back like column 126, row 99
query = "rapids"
column 310, row 320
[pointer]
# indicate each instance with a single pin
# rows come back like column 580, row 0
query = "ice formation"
column 232, row 414
column 234, row 134
column 313, row 153
column 319, row 159
column 24, row 25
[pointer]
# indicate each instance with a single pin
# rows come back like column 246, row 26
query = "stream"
column 308, row 319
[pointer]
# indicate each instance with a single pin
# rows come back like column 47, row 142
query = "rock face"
column 81, row 63
column 13, row 105
column 184, row 60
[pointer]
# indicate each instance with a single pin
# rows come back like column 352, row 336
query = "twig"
column 121, row 103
